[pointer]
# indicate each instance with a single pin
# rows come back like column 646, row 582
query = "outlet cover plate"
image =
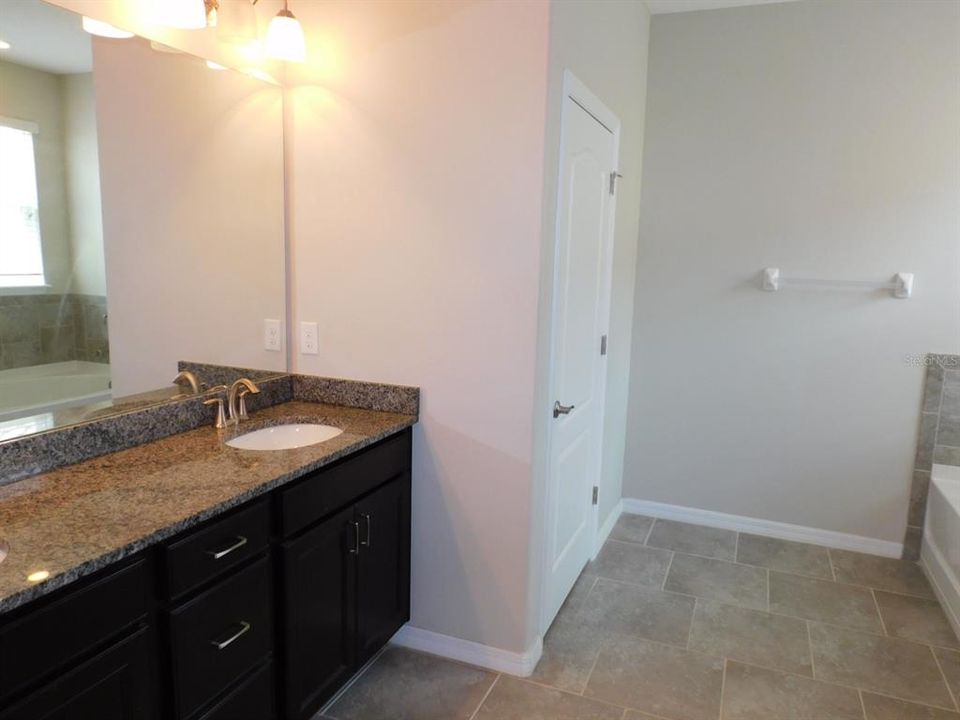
column 272, row 335
column 309, row 342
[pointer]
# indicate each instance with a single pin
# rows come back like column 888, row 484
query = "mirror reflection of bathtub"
column 54, row 386
column 941, row 538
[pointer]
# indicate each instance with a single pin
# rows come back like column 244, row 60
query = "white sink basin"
column 284, row 437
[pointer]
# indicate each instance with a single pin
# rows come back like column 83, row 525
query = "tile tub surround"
column 80, row 518
column 625, row 646
column 938, row 440
column 37, row 329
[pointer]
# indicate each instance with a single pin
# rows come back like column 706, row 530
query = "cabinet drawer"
column 252, row 700
column 330, row 489
column 226, row 543
column 220, row 635
column 51, row 636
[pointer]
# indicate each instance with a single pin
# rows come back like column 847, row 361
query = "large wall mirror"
column 141, row 217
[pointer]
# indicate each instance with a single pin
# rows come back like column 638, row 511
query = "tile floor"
column 684, row 622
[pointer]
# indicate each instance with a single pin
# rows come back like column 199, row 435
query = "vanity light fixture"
column 183, row 14
column 102, row 29
column 284, row 39
column 4, row 45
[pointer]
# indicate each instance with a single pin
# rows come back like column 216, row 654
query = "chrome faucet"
column 190, row 378
column 236, row 404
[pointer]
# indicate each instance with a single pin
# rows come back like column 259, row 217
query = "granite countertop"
column 75, row 520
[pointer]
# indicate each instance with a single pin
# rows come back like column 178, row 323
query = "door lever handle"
column 559, row 409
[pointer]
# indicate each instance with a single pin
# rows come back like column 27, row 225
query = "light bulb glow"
column 4, row 45
column 285, row 39
column 183, row 14
column 97, row 27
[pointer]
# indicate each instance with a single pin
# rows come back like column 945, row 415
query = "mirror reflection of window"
column 21, row 255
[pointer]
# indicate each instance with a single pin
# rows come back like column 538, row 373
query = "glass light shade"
column 184, row 14
column 236, row 22
column 284, row 39
column 96, row 27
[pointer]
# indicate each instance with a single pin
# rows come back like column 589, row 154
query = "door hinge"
column 603, row 344
column 613, row 181
column 596, row 494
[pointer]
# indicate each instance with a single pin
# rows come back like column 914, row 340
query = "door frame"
column 580, row 94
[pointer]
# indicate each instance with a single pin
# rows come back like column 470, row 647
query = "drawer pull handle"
column 222, row 644
column 366, row 542
column 355, row 550
column 238, row 543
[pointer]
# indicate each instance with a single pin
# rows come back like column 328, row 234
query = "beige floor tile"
column 913, row 618
column 631, row 563
column 751, row 636
column 626, row 611
column 658, row 679
column 784, row 555
column 824, row 601
column 752, row 693
column 407, row 685
column 879, row 707
column 889, row 666
column 513, row 699
column 693, row 539
column 632, row 528
column 718, row 580
column 881, row 573
column 950, row 664
column 570, row 649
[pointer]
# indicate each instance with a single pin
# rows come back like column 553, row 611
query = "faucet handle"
column 242, row 404
column 221, row 421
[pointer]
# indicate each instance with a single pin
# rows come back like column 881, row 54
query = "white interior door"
column 580, row 312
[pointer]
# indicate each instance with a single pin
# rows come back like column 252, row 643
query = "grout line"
column 723, row 687
column 649, row 531
column 693, row 616
column 876, row 604
column 956, row 698
column 736, row 548
column 813, row 667
column 663, row 585
column 863, row 705
column 768, row 589
column 833, row 570
column 328, row 705
column 484, row 698
column 593, row 667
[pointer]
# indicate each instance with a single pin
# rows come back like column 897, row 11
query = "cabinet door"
column 117, row 684
column 319, row 600
column 383, row 585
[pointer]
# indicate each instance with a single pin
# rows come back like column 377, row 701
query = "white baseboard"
column 485, row 656
column 604, row 532
column 767, row 528
column 946, row 585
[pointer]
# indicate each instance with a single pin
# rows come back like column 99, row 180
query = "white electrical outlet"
column 309, row 342
column 272, row 336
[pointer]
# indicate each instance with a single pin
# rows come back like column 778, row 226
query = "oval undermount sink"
column 284, row 437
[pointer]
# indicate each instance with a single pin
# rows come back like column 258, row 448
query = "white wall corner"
column 485, row 656
column 766, row 528
column 607, row 527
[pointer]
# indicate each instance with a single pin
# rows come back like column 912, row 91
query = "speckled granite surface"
column 21, row 457
column 80, row 518
column 355, row 393
column 210, row 375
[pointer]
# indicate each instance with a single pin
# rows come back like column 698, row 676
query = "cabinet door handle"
column 233, row 637
column 366, row 542
column 355, row 550
column 238, row 542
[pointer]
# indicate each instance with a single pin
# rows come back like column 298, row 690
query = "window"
column 21, row 254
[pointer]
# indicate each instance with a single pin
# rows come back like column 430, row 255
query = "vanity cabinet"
column 260, row 613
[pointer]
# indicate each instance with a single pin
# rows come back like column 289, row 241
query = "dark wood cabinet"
column 116, row 684
column 319, row 582
column 262, row 612
column 383, row 562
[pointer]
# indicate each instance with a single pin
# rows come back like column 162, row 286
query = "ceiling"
column 44, row 37
column 660, row 7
